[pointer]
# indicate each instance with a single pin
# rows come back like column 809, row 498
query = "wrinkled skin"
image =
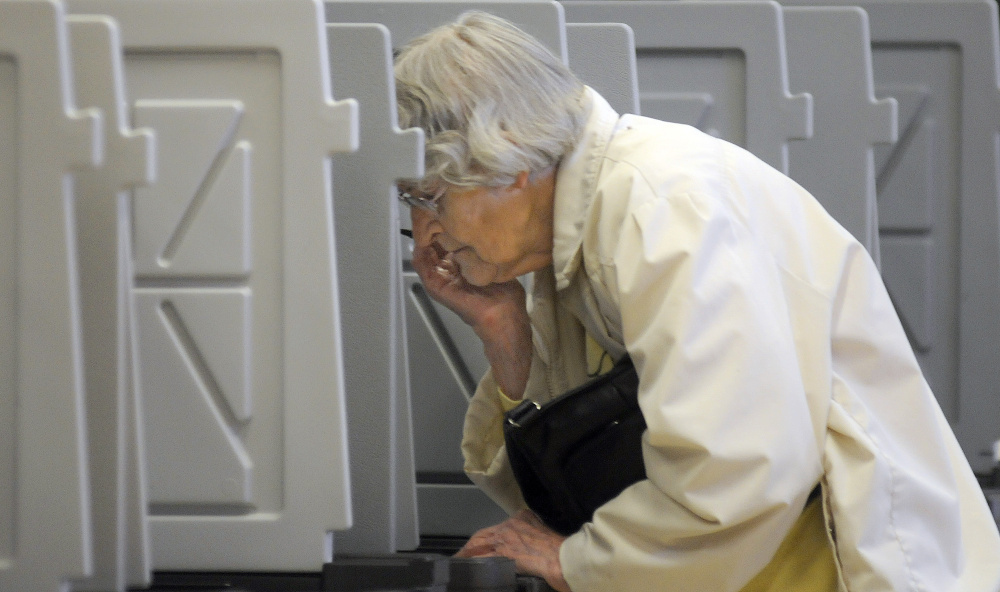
column 533, row 546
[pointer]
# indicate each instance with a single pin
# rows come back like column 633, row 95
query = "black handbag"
column 579, row 450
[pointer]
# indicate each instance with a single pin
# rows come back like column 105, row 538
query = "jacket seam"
column 893, row 485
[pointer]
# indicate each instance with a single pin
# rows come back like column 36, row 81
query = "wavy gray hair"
column 491, row 99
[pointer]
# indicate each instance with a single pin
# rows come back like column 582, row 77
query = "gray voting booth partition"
column 602, row 55
column 103, row 221
column 371, row 287
column 829, row 56
column 793, row 87
column 45, row 536
column 238, row 333
column 939, row 200
column 720, row 66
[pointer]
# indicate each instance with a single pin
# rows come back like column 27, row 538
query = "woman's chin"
column 479, row 275
column 478, row 281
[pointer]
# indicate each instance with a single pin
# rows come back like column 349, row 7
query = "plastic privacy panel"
column 239, row 351
column 829, row 56
column 938, row 200
column 370, row 278
column 407, row 19
column 719, row 66
column 602, row 55
column 45, row 537
column 445, row 357
column 103, row 221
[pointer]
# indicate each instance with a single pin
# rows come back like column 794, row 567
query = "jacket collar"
column 575, row 186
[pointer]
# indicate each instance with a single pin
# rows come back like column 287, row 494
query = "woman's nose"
column 426, row 226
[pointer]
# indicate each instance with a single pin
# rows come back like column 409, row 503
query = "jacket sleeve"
column 482, row 447
column 730, row 450
column 558, row 362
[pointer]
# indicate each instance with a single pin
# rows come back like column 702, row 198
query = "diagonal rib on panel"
column 196, row 218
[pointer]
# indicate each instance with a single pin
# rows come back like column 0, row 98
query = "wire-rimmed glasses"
column 416, row 199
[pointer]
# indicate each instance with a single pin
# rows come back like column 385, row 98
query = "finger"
column 433, row 259
column 482, row 541
column 448, row 268
column 535, row 550
column 439, row 250
column 443, row 281
column 481, row 550
column 425, row 262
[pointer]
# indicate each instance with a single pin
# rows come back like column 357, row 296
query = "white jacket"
column 770, row 359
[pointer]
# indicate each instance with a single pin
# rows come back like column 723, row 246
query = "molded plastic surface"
column 532, row 584
column 829, row 56
column 103, row 219
column 939, row 199
column 720, row 66
column 238, row 318
column 482, row 574
column 407, row 19
column 418, row 571
column 371, row 284
column 45, row 514
column 602, row 55
column 455, row 509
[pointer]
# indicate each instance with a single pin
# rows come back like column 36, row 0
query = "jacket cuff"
column 578, row 558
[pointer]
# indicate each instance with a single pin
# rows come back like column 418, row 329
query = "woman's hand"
column 497, row 312
column 478, row 306
column 533, row 546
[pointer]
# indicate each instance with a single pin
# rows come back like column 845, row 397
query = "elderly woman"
column 770, row 359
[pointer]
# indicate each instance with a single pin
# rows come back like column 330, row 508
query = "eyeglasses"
column 415, row 199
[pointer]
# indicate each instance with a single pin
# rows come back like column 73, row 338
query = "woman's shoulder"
column 636, row 136
column 648, row 161
column 666, row 156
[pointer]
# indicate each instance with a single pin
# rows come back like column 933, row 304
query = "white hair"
column 491, row 99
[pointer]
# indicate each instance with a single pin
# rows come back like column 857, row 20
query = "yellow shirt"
column 804, row 562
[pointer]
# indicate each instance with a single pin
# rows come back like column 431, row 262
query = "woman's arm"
column 497, row 313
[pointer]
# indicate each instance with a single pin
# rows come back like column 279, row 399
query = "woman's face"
column 494, row 234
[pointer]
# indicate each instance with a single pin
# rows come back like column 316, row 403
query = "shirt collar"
column 575, row 185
